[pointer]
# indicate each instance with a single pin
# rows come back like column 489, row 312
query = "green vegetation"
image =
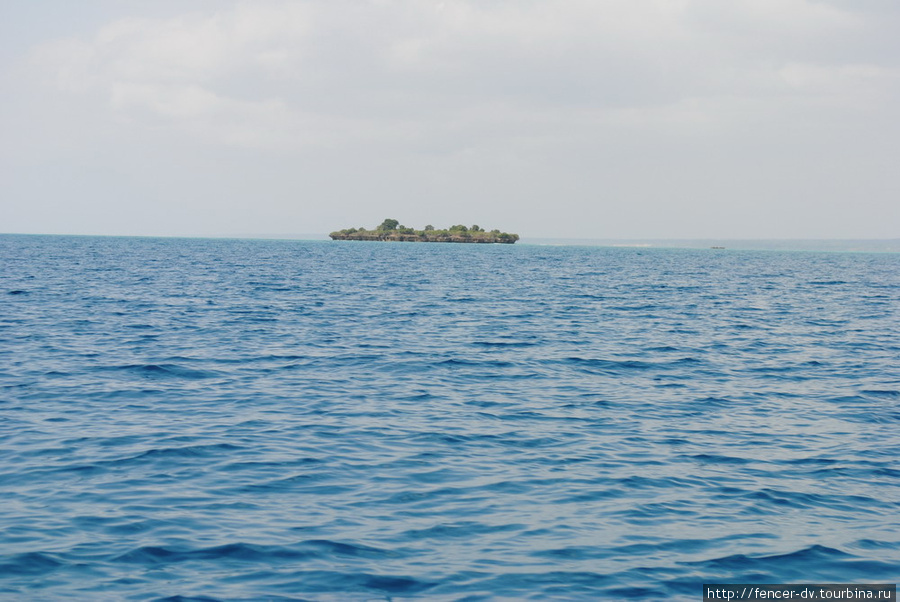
column 393, row 230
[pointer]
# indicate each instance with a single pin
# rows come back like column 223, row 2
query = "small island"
column 392, row 230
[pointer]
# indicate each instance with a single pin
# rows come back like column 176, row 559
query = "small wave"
column 476, row 363
column 876, row 544
column 29, row 563
column 642, row 307
column 719, row 459
column 813, row 562
column 590, row 364
column 604, row 366
column 179, row 598
column 504, row 344
column 254, row 553
column 461, row 530
column 817, row 553
column 881, row 392
column 637, row 549
column 190, row 451
column 163, row 371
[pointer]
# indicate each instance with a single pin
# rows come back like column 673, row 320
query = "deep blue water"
column 277, row 420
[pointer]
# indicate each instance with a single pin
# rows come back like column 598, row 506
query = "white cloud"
column 841, row 82
column 394, row 60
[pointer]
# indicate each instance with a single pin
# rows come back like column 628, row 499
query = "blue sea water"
column 280, row 420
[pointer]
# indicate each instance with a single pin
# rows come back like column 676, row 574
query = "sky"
column 550, row 118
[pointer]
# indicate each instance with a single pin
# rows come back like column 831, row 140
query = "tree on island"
column 393, row 230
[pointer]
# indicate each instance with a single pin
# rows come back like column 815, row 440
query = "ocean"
column 204, row 419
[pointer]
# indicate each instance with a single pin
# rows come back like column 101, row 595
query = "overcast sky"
column 570, row 118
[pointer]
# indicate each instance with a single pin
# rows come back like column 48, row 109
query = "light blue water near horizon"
column 290, row 420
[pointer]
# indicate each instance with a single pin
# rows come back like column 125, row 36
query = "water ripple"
column 246, row 420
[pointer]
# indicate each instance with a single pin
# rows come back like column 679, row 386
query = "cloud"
column 273, row 66
column 842, row 84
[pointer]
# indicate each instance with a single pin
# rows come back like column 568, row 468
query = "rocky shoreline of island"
column 393, row 230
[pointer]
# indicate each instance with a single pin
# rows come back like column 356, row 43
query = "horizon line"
column 324, row 236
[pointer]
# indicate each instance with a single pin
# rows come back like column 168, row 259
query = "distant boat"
column 717, row 247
